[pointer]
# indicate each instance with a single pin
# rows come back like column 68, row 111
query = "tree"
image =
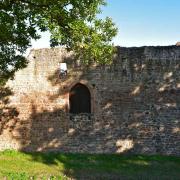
column 72, row 23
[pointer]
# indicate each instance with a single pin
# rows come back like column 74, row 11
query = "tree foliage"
column 72, row 23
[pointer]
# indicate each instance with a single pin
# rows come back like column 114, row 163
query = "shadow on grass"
column 112, row 166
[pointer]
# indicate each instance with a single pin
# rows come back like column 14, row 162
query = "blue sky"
column 140, row 22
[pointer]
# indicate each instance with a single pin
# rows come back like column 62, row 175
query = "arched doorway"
column 80, row 99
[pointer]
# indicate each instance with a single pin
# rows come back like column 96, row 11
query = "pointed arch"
column 79, row 99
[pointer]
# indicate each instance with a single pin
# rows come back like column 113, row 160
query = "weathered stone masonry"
column 135, row 104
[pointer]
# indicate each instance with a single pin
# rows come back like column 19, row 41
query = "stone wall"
column 135, row 104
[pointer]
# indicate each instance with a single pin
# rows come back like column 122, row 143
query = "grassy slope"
column 16, row 165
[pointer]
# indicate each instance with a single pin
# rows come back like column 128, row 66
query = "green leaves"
column 72, row 24
column 93, row 42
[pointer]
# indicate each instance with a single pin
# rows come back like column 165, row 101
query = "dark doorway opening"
column 80, row 99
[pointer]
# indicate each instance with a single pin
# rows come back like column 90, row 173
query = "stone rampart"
column 135, row 104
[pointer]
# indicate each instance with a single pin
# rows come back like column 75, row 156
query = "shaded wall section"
column 135, row 104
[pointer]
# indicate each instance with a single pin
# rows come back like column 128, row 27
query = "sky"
column 140, row 22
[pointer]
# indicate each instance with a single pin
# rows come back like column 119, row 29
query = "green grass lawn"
column 17, row 165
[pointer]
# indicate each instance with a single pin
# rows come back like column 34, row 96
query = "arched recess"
column 79, row 99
